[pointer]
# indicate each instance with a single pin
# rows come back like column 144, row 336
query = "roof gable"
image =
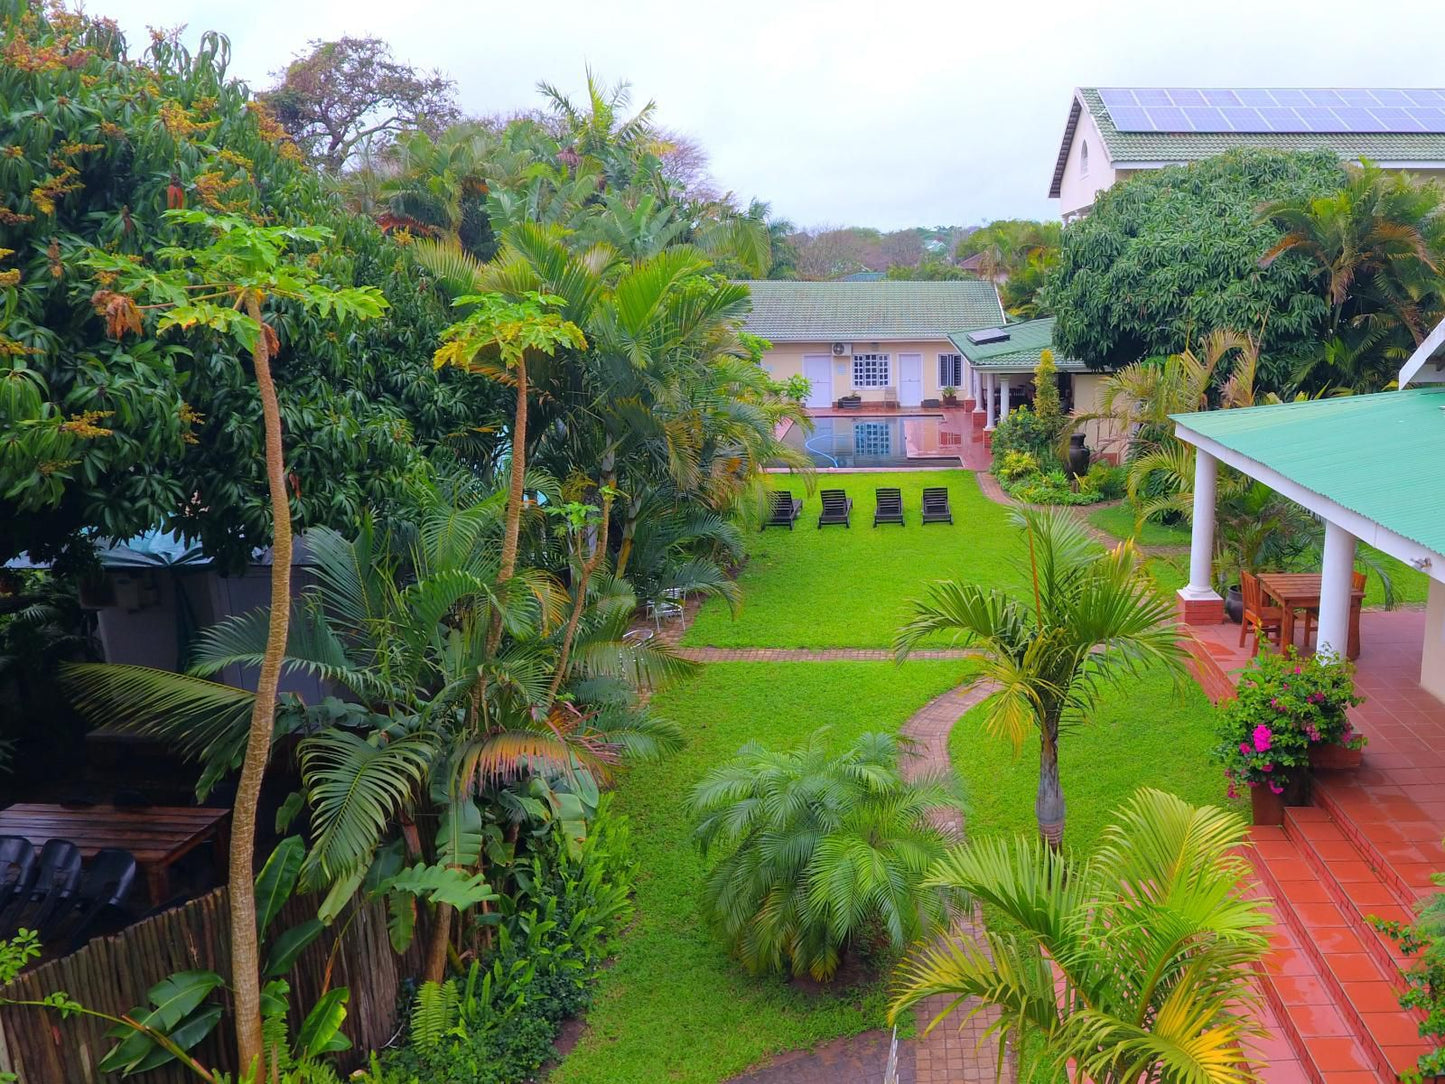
column 787, row 311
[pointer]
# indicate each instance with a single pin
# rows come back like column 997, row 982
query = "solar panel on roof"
column 988, row 335
column 1157, row 109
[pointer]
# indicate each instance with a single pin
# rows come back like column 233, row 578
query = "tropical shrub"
column 1024, row 431
column 1132, row 963
column 1284, row 704
column 1105, row 479
column 1424, row 941
column 1088, row 620
column 1014, row 466
column 816, row 854
column 496, row 1024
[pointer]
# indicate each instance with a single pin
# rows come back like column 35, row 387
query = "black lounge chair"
column 786, row 509
column 890, row 507
column 57, row 875
column 837, row 507
column 100, row 900
column 935, row 505
column 17, row 878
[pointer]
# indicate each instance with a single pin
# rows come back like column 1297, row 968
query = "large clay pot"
column 1078, row 456
column 1268, row 806
column 1335, row 758
column 1234, row 604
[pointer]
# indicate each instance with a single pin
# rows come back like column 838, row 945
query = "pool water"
column 908, row 440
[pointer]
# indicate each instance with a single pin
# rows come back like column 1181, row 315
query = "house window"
column 870, row 370
column 1084, row 159
column 950, row 370
column 872, row 438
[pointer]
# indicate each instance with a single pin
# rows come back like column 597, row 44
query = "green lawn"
column 1146, row 736
column 1118, row 520
column 851, row 588
column 673, row 1008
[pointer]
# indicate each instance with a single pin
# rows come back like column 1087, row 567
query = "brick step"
column 1336, row 1002
column 1399, row 838
column 1352, row 881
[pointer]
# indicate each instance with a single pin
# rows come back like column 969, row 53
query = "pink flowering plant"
column 1284, row 705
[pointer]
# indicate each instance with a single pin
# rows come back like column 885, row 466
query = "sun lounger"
column 935, row 505
column 786, row 509
column 890, row 506
column 837, row 507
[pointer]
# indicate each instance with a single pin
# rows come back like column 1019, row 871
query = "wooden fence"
column 112, row 975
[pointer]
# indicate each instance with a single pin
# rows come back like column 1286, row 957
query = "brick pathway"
column 949, row 1054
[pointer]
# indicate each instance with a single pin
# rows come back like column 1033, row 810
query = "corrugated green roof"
column 1125, row 147
column 1377, row 455
column 1026, row 341
column 848, row 311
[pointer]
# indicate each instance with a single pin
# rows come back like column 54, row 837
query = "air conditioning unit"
column 841, row 349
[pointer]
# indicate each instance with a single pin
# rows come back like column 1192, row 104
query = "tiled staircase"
column 1331, row 980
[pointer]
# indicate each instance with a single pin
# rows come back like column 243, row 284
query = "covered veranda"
column 1368, row 467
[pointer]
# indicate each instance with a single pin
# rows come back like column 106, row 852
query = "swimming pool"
column 893, row 440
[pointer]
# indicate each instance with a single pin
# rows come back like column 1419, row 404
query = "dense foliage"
column 1169, row 255
column 1018, row 254
column 496, row 1023
column 121, row 436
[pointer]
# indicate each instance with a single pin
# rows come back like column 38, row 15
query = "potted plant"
column 850, row 402
column 1318, row 693
column 950, row 397
column 1262, row 746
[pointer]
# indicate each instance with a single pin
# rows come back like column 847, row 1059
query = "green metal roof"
column 848, row 311
column 1019, row 352
column 1189, row 146
column 1377, row 455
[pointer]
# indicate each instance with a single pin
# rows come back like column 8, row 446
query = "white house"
column 1113, row 132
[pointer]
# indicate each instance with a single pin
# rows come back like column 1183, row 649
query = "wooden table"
column 157, row 835
column 1301, row 591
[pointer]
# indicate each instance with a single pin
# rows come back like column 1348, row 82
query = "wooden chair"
column 1266, row 621
column 935, row 505
column 837, row 508
column 890, row 506
column 786, row 509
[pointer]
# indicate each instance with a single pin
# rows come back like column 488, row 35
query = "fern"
column 434, row 1017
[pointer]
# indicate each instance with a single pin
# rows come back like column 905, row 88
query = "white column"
column 977, row 378
column 966, row 390
column 1201, row 542
column 988, row 387
column 1338, row 569
column 1003, row 396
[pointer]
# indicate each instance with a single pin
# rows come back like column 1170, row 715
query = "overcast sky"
column 885, row 113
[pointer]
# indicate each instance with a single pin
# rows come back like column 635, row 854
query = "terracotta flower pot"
column 1334, row 758
column 1267, row 805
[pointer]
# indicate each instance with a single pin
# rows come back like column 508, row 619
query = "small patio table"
column 1301, row 591
column 156, row 835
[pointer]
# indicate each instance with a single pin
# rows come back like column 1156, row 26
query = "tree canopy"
column 119, row 436
column 344, row 94
column 1167, row 256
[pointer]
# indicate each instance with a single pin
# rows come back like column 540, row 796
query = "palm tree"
column 1090, row 620
column 402, row 622
column 821, row 853
column 1378, row 244
column 1132, row 964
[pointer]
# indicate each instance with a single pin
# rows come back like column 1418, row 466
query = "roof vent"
column 988, row 335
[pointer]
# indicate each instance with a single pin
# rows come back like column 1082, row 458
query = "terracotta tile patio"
column 1366, row 847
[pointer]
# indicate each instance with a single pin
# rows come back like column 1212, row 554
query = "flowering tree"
column 222, row 286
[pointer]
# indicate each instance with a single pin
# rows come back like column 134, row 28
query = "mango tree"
column 223, row 286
